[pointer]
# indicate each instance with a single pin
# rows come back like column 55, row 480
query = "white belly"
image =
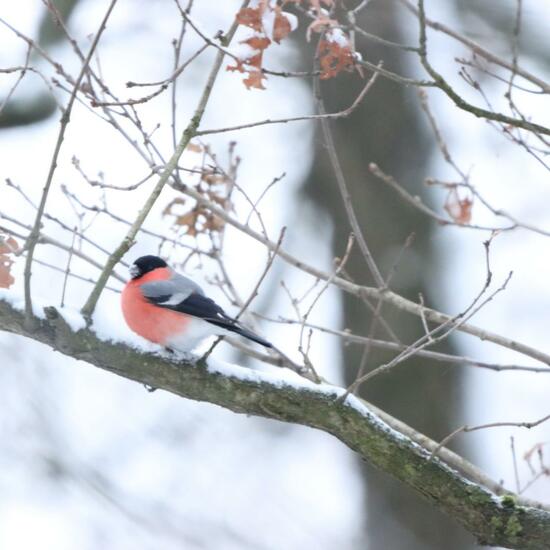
column 195, row 332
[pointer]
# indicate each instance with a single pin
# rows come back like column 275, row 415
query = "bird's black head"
column 145, row 264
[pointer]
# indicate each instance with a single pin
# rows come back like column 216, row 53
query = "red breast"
column 154, row 323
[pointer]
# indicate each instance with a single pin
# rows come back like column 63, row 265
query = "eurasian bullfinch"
column 171, row 310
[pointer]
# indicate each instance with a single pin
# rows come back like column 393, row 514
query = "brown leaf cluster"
column 8, row 246
column 281, row 26
column 253, row 18
column 460, row 209
column 197, row 219
column 335, row 58
column 320, row 24
column 194, row 147
column 336, row 53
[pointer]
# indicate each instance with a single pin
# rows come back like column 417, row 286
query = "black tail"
column 206, row 309
column 250, row 335
column 231, row 325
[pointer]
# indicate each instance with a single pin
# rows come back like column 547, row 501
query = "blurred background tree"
column 389, row 130
column 36, row 104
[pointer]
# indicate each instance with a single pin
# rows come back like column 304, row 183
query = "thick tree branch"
column 456, row 489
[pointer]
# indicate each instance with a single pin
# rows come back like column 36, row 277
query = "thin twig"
column 189, row 132
column 65, row 118
column 438, row 333
column 444, row 86
column 467, row 429
column 386, row 295
column 252, row 295
column 377, row 312
column 342, row 184
column 340, row 265
column 67, row 270
column 515, row 463
column 349, row 337
column 478, row 49
column 45, row 239
column 340, row 114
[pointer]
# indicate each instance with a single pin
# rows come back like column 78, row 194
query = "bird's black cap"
column 145, row 264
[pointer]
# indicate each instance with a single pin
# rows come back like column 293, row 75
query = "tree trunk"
column 387, row 130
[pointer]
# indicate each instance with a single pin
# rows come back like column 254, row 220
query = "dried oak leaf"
column 239, row 66
column 254, row 80
column 334, row 58
column 255, row 75
column 257, row 43
column 459, row 209
column 320, row 24
column 281, row 26
column 168, row 208
column 251, row 17
column 212, row 178
column 255, row 19
column 214, row 223
column 222, row 201
column 189, row 220
column 7, row 246
column 252, row 66
column 194, row 148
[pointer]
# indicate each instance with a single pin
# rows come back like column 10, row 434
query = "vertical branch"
column 177, row 53
column 32, row 239
column 342, row 185
column 515, row 462
column 189, row 132
column 68, row 270
column 515, row 54
column 377, row 312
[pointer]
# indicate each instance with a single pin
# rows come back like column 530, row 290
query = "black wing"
column 205, row 308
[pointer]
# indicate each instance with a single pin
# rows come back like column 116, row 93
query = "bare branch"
column 443, row 85
column 187, row 135
column 342, row 185
column 477, row 49
column 340, row 114
column 65, row 118
column 386, row 295
column 467, row 429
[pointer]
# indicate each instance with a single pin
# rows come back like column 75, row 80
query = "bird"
column 169, row 309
